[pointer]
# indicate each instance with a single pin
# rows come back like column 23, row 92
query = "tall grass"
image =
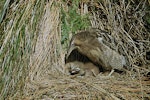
column 20, row 31
column 4, row 5
column 72, row 20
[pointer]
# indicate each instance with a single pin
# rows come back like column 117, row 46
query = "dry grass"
column 42, row 68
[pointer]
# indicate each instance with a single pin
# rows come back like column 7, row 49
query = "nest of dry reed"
column 124, row 23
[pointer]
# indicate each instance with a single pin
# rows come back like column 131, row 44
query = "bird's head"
column 80, row 41
column 74, row 44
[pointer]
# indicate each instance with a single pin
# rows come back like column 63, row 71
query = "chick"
column 82, row 69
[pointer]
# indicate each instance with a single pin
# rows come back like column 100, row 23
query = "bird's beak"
column 72, row 47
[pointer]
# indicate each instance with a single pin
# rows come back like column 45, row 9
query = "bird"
column 90, row 44
column 82, row 69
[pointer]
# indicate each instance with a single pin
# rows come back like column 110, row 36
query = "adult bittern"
column 91, row 45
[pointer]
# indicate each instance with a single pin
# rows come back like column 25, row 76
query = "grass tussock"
column 35, row 36
column 20, row 27
column 72, row 20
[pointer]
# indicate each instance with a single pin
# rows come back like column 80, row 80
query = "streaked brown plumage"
column 91, row 45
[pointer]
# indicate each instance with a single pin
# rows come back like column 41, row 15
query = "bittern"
column 91, row 45
column 81, row 69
